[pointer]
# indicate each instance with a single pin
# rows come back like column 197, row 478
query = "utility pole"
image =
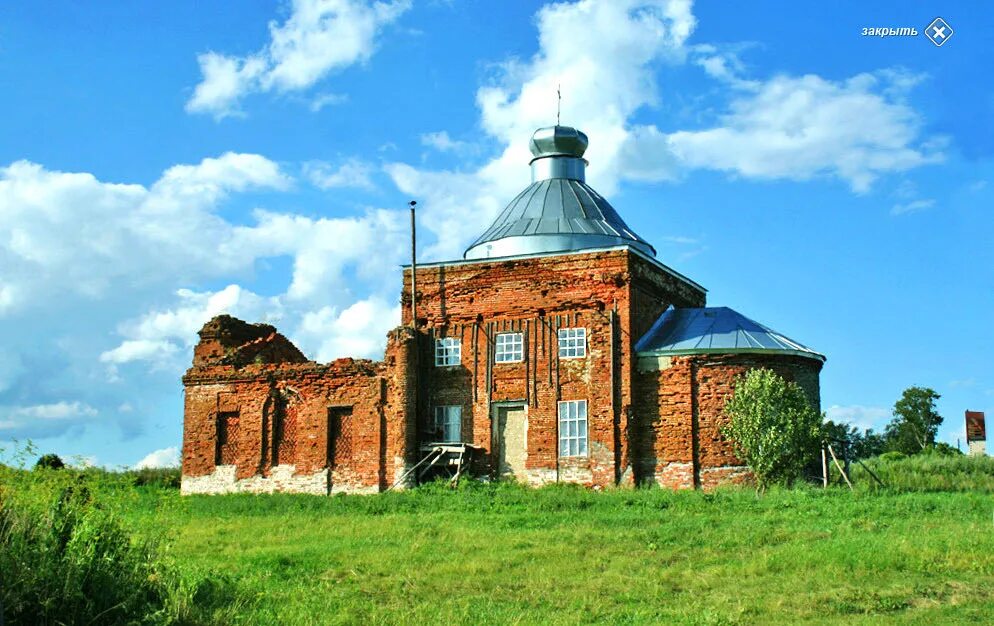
column 414, row 271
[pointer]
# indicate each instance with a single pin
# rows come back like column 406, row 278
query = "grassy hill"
column 565, row 555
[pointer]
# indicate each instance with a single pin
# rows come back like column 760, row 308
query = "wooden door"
column 510, row 441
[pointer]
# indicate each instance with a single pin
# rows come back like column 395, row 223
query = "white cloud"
column 358, row 330
column 783, row 127
column 606, row 76
column 69, row 233
column 442, row 142
column 352, row 173
column 319, row 37
column 326, row 99
column 166, row 457
column 80, row 255
column 164, row 338
column 802, row 127
column 723, row 64
column 862, row 417
column 912, row 207
column 43, row 419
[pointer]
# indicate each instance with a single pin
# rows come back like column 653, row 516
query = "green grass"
column 564, row 555
column 502, row 554
column 928, row 472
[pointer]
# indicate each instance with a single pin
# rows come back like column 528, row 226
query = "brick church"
column 558, row 349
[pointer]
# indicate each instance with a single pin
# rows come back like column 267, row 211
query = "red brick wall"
column 380, row 427
column 662, row 425
column 680, row 410
column 537, row 296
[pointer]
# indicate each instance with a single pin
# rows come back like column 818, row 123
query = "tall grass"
column 68, row 558
column 927, row 472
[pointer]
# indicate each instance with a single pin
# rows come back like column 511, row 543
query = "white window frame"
column 448, row 419
column 572, row 343
column 573, row 428
column 509, row 348
column 448, row 352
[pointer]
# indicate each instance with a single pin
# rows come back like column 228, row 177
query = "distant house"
column 559, row 349
column 976, row 433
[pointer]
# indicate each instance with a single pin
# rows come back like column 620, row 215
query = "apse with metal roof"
column 715, row 330
column 559, row 211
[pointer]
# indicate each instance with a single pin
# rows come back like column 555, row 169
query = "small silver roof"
column 714, row 330
column 559, row 211
column 558, row 140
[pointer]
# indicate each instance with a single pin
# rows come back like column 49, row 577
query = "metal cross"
column 559, row 102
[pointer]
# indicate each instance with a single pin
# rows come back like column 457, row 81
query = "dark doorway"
column 339, row 436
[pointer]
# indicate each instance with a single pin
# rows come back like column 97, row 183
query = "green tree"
column 915, row 423
column 847, row 441
column 869, row 445
column 772, row 427
column 50, row 461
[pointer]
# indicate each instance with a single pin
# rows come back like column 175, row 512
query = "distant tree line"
column 777, row 433
column 912, row 430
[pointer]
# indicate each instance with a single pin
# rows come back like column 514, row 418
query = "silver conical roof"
column 558, row 212
column 715, row 330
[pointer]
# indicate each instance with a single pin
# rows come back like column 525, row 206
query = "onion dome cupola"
column 558, row 212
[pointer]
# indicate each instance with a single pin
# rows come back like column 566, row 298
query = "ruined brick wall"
column 400, row 365
column 224, row 337
column 536, row 297
column 680, row 413
column 259, row 417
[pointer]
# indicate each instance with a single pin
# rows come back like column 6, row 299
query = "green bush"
column 772, row 426
column 66, row 559
column 893, row 455
column 166, row 477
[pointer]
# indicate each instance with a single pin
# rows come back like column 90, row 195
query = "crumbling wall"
column 300, row 426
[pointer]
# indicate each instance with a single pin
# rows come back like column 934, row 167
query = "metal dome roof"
column 715, row 330
column 559, row 211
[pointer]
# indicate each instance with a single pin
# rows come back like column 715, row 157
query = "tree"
column 50, row 461
column 772, row 427
column 915, row 422
column 848, row 442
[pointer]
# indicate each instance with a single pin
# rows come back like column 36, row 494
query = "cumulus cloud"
column 606, row 76
column 802, row 127
column 166, row 457
column 862, row 417
column 318, row 38
column 781, row 127
column 97, row 279
column 164, row 338
column 352, row 173
column 65, row 232
column 43, row 419
column 442, row 142
column 357, row 330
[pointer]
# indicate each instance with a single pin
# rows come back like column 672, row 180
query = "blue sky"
column 163, row 163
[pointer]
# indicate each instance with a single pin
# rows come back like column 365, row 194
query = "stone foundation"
column 282, row 478
column 712, row 477
column 576, row 475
